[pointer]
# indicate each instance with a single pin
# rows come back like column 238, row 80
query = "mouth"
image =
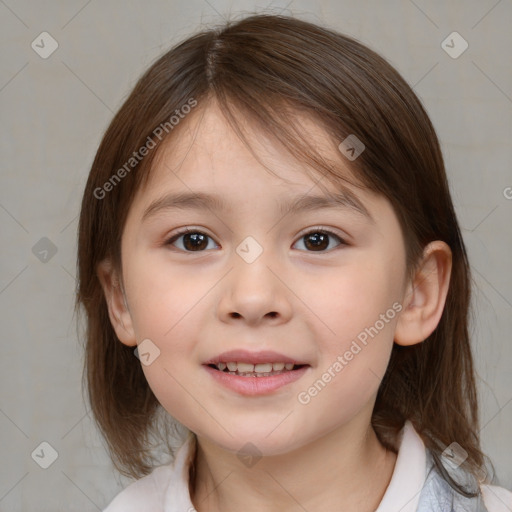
column 258, row 370
column 255, row 373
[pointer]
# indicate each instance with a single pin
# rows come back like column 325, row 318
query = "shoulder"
column 438, row 495
column 490, row 498
column 148, row 493
column 165, row 489
column 496, row 499
column 435, row 492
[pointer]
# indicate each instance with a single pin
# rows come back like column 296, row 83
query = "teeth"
column 261, row 368
column 245, row 367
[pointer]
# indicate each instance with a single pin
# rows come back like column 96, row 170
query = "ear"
column 425, row 296
column 118, row 311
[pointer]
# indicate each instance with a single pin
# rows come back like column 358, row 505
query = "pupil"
column 320, row 240
column 197, row 241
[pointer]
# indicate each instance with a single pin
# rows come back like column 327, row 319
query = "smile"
column 255, row 370
column 259, row 380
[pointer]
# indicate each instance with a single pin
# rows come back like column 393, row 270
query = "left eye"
column 317, row 240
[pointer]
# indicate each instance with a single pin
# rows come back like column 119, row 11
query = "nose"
column 255, row 292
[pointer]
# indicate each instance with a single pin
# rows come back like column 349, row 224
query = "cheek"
column 360, row 309
column 353, row 299
column 174, row 392
column 351, row 364
column 162, row 298
column 167, row 307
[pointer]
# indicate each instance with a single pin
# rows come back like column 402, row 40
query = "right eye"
column 193, row 240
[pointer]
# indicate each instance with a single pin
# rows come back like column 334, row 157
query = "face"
column 318, row 287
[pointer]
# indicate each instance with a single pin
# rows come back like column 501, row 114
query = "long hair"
column 268, row 68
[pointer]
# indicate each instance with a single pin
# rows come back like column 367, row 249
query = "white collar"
column 403, row 492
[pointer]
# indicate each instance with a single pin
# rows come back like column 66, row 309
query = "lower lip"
column 253, row 386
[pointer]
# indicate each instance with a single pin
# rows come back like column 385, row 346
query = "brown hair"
column 268, row 68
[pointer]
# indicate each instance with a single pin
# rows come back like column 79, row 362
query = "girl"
column 268, row 252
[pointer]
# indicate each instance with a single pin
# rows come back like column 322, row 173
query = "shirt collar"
column 403, row 492
column 177, row 496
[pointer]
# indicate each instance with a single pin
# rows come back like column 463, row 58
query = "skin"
column 315, row 456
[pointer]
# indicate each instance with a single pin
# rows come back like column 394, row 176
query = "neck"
column 346, row 469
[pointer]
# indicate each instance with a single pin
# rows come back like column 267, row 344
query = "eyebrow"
column 202, row 201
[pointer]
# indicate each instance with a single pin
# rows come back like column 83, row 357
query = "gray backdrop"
column 55, row 108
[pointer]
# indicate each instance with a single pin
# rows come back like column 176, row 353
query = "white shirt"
column 412, row 487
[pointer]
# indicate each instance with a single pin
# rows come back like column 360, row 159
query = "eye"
column 193, row 240
column 317, row 240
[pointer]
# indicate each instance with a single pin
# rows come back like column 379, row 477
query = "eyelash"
column 317, row 229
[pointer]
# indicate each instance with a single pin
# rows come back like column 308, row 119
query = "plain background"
column 54, row 112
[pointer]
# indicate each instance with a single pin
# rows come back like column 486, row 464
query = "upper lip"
column 245, row 356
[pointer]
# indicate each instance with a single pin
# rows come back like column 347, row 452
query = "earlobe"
column 426, row 295
column 118, row 311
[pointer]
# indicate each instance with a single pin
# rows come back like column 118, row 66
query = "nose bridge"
column 250, row 250
column 252, row 260
column 253, row 289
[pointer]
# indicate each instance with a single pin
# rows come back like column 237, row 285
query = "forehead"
column 206, row 150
